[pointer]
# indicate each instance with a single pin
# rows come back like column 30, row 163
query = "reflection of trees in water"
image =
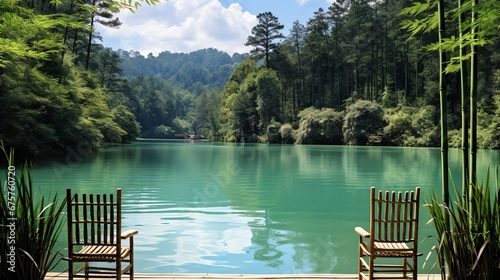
column 276, row 240
column 316, row 256
column 390, row 166
column 265, row 239
column 327, row 184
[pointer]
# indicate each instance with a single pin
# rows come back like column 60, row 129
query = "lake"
column 202, row 207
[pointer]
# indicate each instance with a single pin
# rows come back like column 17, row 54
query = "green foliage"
column 238, row 114
column 353, row 51
column 47, row 102
column 399, row 128
column 410, row 126
column 273, row 132
column 489, row 124
column 424, row 123
column 35, row 43
column 264, row 36
column 362, row 120
column 286, row 132
column 181, row 125
column 127, row 121
column 268, row 100
column 484, row 27
column 162, row 131
column 356, row 50
column 319, row 126
column 207, row 110
column 195, row 72
column 469, row 246
column 31, row 227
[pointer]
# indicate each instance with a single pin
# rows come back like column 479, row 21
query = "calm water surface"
column 228, row 208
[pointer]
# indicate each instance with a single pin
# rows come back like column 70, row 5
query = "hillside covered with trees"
column 60, row 90
column 353, row 74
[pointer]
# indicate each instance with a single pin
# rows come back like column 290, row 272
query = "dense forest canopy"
column 350, row 75
column 195, row 71
column 374, row 64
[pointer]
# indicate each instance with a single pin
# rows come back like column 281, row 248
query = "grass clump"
column 29, row 229
column 468, row 232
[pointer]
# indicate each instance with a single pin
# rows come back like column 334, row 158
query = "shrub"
column 362, row 119
column 399, row 128
column 468, row 232
column 272, row 132
column 319, row 126
column 163, row 131
column 286, row 132
column 36, row 226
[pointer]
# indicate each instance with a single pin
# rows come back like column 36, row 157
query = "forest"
column 362, row 72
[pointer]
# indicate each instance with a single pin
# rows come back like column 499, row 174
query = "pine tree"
column 264, row 35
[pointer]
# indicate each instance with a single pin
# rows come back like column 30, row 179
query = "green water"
column 227, row 208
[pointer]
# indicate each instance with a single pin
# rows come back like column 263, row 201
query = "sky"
column 189, row 25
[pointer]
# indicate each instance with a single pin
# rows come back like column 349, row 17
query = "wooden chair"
column 393, row 234
column 95, row 237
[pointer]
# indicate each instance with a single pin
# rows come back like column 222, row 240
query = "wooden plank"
column 200, row 276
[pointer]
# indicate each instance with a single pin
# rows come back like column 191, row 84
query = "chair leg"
column 372, row 263
column 414, row 268
column 87, row 268
column 70, row 270
column 131, row 244
column 405, row 267
column 131, row 266
column 118, row 270
column 360, row 263
column 132, row 271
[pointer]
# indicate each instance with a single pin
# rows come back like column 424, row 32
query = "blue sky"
column 189, row 25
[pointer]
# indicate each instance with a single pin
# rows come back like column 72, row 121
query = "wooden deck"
column 194, row 276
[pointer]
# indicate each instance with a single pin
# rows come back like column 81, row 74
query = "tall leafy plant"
column 469, row 245
column 30, row 227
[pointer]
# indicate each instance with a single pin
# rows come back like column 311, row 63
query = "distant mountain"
column 194, row 71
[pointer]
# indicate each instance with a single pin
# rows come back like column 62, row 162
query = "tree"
column 317, row 43
column 337, row 14
column 206, row 117
column 264, row 35
column 362, row 120
column 319, row 126
column 296, row 39
column 477, row 25
column 268, row 104
column 238, row 116
column 102, row 10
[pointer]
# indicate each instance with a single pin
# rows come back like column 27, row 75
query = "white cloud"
column 182, row 26
column 302, row 2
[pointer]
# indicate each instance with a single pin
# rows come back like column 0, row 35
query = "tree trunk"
column 473, row 100
column 443, row 107
column 465, row 116
column 91, row 31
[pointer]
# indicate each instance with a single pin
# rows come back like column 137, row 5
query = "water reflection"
column 223, row 208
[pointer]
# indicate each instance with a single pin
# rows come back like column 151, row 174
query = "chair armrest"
column 129, row 233
column 362, row 232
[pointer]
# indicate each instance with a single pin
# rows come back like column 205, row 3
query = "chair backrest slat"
column 394, row 216
column 400, row 227
column 77, row 218
column 392, row 209
column 85, row 226
column 112, row 219
column 105, row 219
column 98, row 218
column 118, row 218
column 93, row 219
